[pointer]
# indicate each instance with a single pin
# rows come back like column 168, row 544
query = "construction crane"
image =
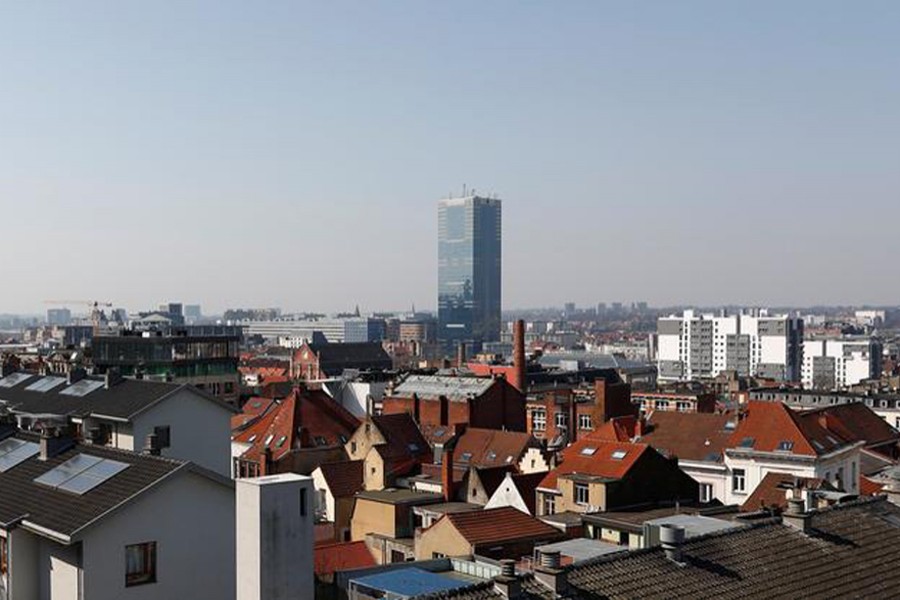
column 96, row 306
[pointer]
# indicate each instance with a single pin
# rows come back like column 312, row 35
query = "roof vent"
column 796, row 516
column 671, row 537
column 507, row 584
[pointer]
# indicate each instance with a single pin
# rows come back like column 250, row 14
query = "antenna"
column 464, row 190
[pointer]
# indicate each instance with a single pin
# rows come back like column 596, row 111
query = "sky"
column 290, row 153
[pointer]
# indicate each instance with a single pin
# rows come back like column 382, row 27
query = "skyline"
column 641, row 152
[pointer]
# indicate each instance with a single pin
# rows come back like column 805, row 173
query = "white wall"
column 191, row 519
column 200, row 430
column 320, row 484
column 507, row 494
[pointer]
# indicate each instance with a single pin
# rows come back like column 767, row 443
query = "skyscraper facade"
column 469, row 261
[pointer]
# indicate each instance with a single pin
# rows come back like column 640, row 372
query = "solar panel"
column 16, row 454
column 93, row 476
column 83, row 387
column 14, row 379
column 67, row 470
column 45, row 384
column 81, row 473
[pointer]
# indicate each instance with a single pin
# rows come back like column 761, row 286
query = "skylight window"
column 81, row 473
column 785, row 445
column 83, row 387
column 492, row 455
column 281, row 441
column 466, row 456
column 14, row 379
column 588, row 451
column 818, row 446
column 509, row 459
column 832, row 440
column 747, row 442
column 45, row 384
column 619, row 454
column 269, row 439
column 14, row 452
column 413, row 447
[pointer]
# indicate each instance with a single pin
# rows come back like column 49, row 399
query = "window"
column 852, row 475
column 562, row 420
column 584, row 422
column 538, row 420
column 706, row 493
column 4, row 556
column 353, row 447
column 140, row 564
column 437, row 555
column 738, row 481
column 549, row 504
column 581, row 494
column 683, row 406
column 303, row 502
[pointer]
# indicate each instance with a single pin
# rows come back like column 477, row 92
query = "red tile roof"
column 617, row 429
column 771, row 491
column 344, row 478
column 868, row 487
column 773, row 426
column 498, row 525
column 854, row 422
column 345, row 556
column 491, row 447
column 305, row 419
column 688, row 436
column 592, row 456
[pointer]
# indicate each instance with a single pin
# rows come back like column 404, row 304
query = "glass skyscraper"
column 469, row 233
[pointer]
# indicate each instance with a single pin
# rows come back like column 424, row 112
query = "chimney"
column 796, row 516
column 8, row 425
column 416, row 409
column 274, row 537
column 671, row 537
column 265, row 462
column 54, row 443
column 507, row 584
column 75, row 375
column 518, row 373
column 111, row 378
column 151, row 445
column 549, row 573
column 447, row 470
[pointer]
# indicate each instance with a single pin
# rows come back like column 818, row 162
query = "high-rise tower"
column 469, row 259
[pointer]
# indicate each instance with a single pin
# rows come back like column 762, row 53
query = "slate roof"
column 851, row 552
column 64, row 512
column 402, row 436
column 499, row 525
column 123, row 400
column 335, row 357
column 344, row 478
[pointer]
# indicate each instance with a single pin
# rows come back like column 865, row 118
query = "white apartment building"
column 839, row 362
column 752, row 343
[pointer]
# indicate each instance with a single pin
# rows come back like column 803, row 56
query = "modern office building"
column 838, row 362
column 59, row 316
column 751, row 343
column 469, row 265
column 203, row 356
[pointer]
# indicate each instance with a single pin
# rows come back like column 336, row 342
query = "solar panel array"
column 81, row 474
column 14, row 379
column 83, row 387
column 13, row 452
column 45, row 384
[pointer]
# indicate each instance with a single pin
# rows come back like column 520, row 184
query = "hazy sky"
column 292, row 153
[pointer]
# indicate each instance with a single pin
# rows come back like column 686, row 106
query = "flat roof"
column 581, row 549
column 410, row 582
column 396, row 496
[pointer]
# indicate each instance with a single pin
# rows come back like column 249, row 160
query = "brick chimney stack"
column 518, row 374
column 447, row 471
